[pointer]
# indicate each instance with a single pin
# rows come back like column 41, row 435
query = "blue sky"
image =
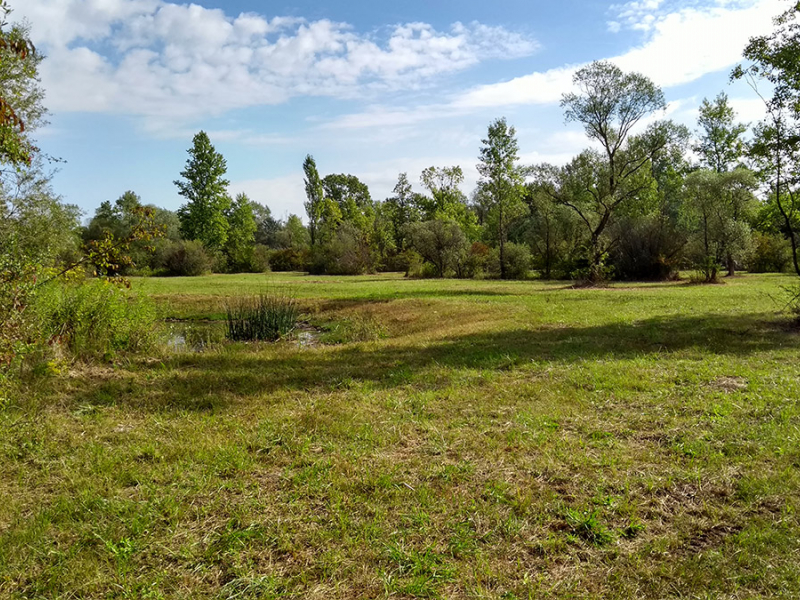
column 368, row 88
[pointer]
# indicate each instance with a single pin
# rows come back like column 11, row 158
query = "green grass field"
column 441, row 439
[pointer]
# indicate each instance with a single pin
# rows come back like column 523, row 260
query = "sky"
column 368, row 88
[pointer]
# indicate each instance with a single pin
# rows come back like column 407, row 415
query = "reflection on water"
column 198, row 336
column 195, row 336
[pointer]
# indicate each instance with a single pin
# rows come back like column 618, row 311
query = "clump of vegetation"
column 97, row 319
column 265, row 317
column 586, row 525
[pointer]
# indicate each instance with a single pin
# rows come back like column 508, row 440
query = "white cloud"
column 283, row 195
column 639, row 15
column 681, row 47
column 690, row 43
column 536, row 88
column 748, row 110
column 172, row 62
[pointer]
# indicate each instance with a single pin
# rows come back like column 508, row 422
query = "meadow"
column 420, row 439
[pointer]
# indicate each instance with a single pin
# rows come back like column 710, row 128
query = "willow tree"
column 610, row 104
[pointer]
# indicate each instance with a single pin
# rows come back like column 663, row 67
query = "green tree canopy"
column 720, row 144
column 502, row 179
column 609, row 104
column 204, row 186
column 21, row 108
column 315, row 197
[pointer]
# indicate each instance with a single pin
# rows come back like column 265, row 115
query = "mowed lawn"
column 463, row 439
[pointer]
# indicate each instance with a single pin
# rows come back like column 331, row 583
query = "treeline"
column 641, row 203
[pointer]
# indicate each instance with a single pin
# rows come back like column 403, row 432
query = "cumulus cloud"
column 638, row 15
column 680, row 47
column 169, row 61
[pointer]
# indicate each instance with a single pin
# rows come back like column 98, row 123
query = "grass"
column 484, row 440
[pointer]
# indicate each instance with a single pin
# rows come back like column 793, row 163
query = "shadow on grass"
column 207, row 381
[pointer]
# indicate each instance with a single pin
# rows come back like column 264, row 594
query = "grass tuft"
column 266, row 317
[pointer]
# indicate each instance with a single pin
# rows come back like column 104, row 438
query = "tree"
column 401, row 209
column 294, row 234
column 21, row 108
column 438, row 241
column 267, row 226
column 720, row 144
column 717, row 203
column 774, row 59
column 352, row 197
column 501, row 178
column 203, row 217
column 551, row 230
column 315, row 195
column 241, row 233
column 609, row 105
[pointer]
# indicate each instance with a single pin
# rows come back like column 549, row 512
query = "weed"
column 587, row 525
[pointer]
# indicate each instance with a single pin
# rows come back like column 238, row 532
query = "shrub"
column 348, row 253
column 518, row 261
column 18, row 330
column 187, row 258
column 96, row 319
column 647, row 250
column 266, row 317
column 439, row 242
column 289, row 259
column 259, row 261
column 770, row 254
column 471, row 262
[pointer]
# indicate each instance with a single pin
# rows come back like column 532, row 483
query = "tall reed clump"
column 266, row 317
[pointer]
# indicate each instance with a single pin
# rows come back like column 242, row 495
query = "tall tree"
column 241, row 233
column 718, row 204
column 776, row 146
column 609, row 104
column 720, row 144
column 401, row 209
column 203, row 217
column 353, row 198
column 21, row 108
column 315, row 196
column 502, row 179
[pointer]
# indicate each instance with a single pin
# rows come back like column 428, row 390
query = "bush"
column 18, row 328
column 647, row 250
column 187, row 259
column 770, row 254
column 266, row 317
column 517, row 258
column 259, row 261
column 96, row 319
column 289, row 259
column 440, row 242
column 348, row 253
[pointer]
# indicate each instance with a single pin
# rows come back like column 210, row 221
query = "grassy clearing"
column 487, row 440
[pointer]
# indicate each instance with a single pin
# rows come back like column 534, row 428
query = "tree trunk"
column 731, row 265
column 502, row 246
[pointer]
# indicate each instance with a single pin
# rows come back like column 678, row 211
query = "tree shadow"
column 209, row 381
